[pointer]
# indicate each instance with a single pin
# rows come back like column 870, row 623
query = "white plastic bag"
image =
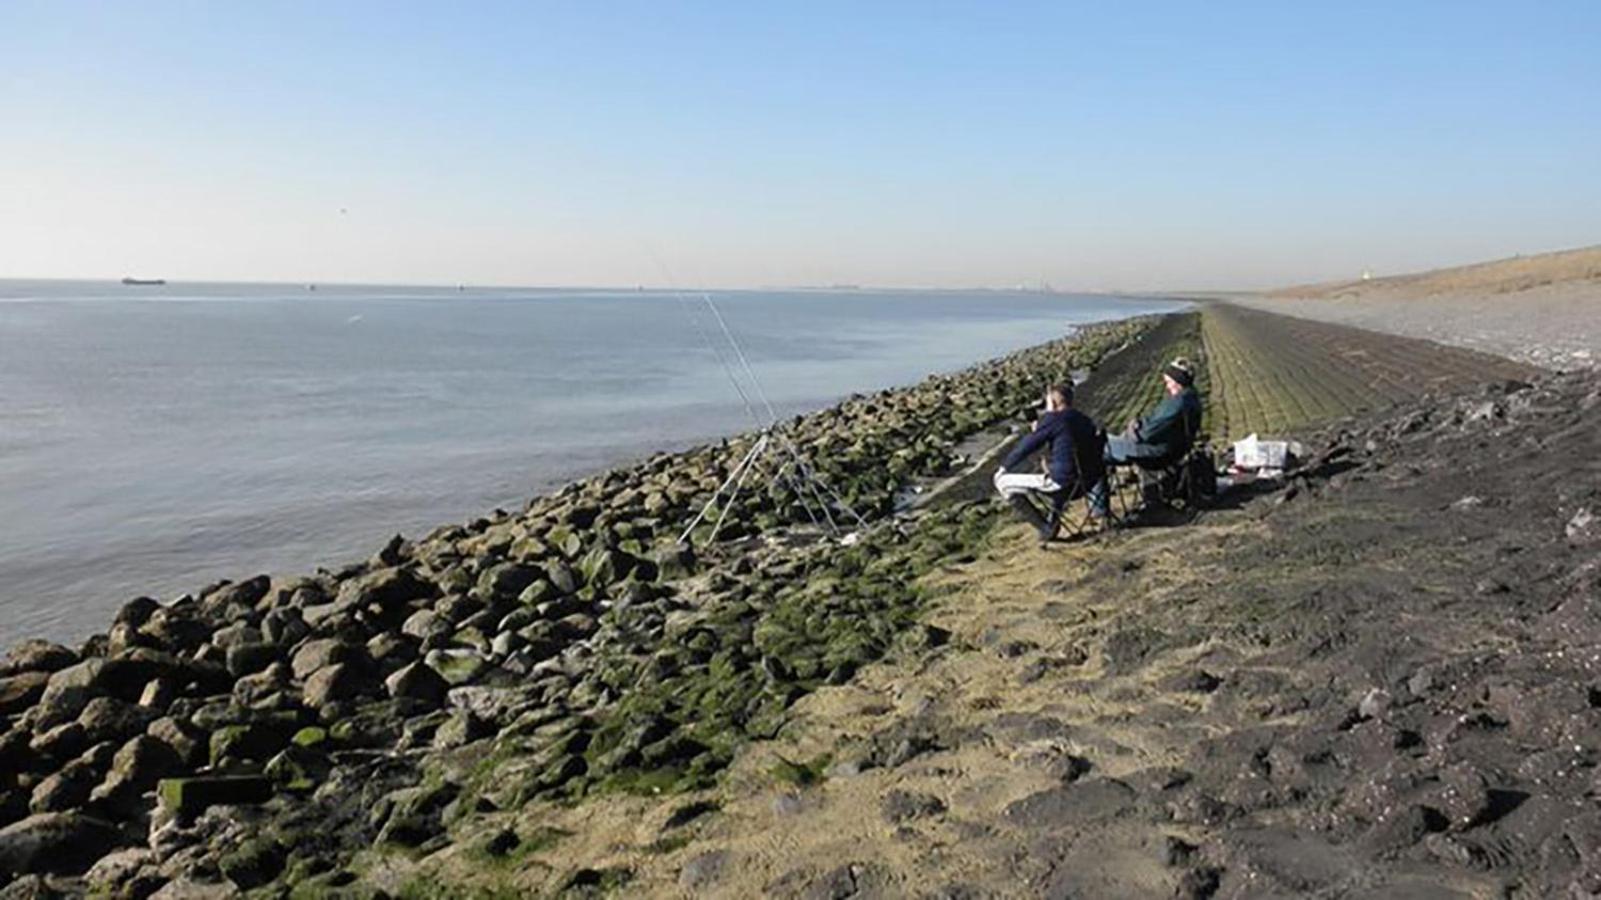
column 1253, row 453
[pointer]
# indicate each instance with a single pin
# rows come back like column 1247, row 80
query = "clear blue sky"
column 1094, row 145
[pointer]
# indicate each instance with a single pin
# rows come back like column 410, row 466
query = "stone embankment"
column 263, row 732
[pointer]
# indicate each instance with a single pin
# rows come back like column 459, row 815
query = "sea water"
column 154, row 439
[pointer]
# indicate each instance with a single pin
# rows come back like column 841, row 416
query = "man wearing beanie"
column 1168, row 431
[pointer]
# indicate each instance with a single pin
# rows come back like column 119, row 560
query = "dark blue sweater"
column 1063, row 431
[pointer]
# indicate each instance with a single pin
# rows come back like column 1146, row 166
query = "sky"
column 1092, row 146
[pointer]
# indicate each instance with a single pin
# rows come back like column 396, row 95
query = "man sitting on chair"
column 1165, row 435
column 1072, row 468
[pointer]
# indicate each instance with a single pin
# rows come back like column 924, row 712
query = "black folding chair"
column 1179, row 482
column 1171, row 481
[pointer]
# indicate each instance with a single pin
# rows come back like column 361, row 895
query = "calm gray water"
column 153, row 439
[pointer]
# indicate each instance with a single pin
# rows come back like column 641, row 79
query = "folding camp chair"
column 1176, row 483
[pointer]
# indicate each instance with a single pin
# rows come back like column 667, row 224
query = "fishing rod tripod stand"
column 808, row 487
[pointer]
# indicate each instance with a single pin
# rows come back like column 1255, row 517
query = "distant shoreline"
column 694, row 290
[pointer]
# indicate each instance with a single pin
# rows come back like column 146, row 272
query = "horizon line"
column 641, row 287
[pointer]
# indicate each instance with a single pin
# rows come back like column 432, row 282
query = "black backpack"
column 1202, row 474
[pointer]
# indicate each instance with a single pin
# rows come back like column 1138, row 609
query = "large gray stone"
column 136, row 768
column 188, row 742
column 137, row 611
column 340, row 681
column 425, row 623
column 676, row 562
column 113, row 875
column 604, row 566
column 158, row 694
column 62, row 742
column 390, row 651
column 67, row 692
column 417, row 681
column 258, row 687
column 284, row 626
column 385, row 588
column 65, row 790
column 110, row 719
column 323, row 652
column 493, row 704
column 235, row 634
column 177, row 629
column 563, row 578
column 249, row 658
column 54, row 843
column 461, row 729
column 231, row 600
column 507, row 580
column 35, row 655
column 20, row 691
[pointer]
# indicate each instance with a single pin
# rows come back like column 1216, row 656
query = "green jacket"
column 1175, row 422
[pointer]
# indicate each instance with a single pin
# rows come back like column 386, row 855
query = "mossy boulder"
column 253, row 863
column 507, row 580
column 187, row 796
column 371, row 725
column 386, row 589
column 538, row 592
column 298, row 768
column 457, row 666
column 138, row 765
column 564, row 578
column 565, row 540
column 412, row 816
column 251, row 742
column 417, row 681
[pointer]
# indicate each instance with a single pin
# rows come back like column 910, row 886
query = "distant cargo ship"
column 144, row 281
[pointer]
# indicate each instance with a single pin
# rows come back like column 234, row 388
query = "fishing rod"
column 809, row 475
column 798, row 480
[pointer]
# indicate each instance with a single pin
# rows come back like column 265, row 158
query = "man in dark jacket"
column 1072, row 468
column 1170, row 429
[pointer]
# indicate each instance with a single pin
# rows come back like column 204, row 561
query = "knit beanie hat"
column 1181, row 371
